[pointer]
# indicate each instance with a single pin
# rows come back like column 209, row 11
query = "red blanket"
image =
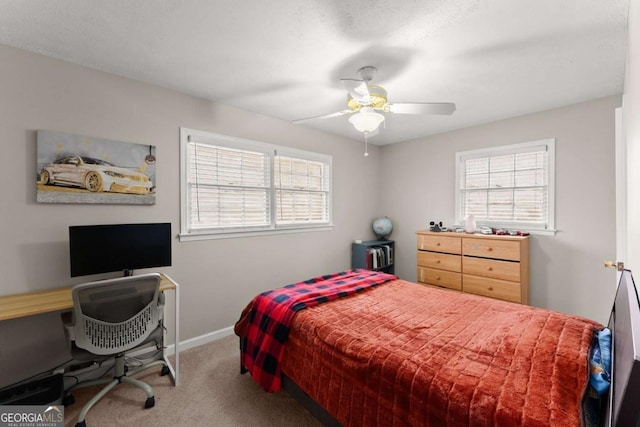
column 264, row 325
column 406, row 355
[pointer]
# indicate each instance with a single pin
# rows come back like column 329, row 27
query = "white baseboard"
column 202, row 339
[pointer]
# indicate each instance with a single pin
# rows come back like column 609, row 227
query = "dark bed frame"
column 622, row 408
column 621, row 405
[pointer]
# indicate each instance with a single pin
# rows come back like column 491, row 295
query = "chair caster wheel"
column 164, row 371
column 81, row 424
column 67, row 400
column 150, row 403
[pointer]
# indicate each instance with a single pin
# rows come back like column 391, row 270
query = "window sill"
column 188, row 237
column 542, row 232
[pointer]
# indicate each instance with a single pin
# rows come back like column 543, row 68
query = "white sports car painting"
column 78, row 169
column 94, row 175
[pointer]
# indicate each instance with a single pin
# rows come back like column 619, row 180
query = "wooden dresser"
column 488, row 265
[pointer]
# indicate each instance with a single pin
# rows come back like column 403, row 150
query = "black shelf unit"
column 363, row 254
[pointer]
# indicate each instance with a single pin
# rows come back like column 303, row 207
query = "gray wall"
column 566, row 269
column 217, row 277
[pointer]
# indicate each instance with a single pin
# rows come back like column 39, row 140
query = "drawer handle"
column 437, row 243
column 490, row 288
column 437, row 261
column 489, row 268
column 489, row 248
column 437, row 277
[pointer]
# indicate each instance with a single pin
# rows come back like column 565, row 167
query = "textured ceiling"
column 493, row 58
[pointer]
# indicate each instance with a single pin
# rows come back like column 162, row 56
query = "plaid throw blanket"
column 264, row 325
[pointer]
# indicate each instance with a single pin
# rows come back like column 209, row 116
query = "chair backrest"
column 115, row 315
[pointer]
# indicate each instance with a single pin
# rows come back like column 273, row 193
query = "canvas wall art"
column 81, row 169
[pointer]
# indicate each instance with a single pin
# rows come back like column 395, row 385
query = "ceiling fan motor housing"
column 378, row 96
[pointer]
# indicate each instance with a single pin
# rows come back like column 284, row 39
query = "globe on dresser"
column 382, row 227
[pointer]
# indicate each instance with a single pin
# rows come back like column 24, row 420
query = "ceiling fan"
column 366, row 102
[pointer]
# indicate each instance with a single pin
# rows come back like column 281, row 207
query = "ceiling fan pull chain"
column 366, row 149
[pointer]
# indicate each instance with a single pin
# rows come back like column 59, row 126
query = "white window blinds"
column 509, row 186
column 302, row 191
column 227, row 188
column 230, row 185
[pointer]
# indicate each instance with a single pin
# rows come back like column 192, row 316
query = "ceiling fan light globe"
column 366, row 120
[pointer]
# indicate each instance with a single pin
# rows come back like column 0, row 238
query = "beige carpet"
column 211, row 393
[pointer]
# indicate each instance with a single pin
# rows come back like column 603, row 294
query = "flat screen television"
column 95, row 249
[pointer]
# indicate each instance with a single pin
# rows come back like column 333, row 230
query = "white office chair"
column 111, row 317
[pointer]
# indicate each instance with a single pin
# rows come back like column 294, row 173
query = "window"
column 301, row 186
column 231, row 187
column 510, row 186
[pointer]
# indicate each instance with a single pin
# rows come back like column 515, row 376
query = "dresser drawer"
column 437, row 277
column 493, row 288
column 491, row 248
column 441, row 261
column 448, row 244
column 505, row 270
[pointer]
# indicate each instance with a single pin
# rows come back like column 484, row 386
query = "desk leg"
column 177, row 333
column 174, row 369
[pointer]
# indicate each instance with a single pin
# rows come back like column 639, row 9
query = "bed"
column 393, row 353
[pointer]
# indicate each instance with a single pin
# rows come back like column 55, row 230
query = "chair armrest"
column 161, row 299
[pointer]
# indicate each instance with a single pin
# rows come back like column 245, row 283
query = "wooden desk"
column 39, row 302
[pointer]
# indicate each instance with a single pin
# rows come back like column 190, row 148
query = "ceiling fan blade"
column 445, row 108
column 358, row 90
column 324, row 116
